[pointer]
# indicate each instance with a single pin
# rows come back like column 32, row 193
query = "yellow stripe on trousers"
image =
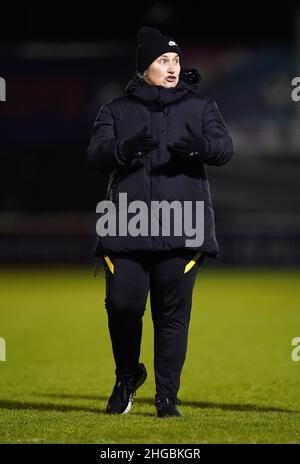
column 193, row 261
column 189, row 265
column 109, row 263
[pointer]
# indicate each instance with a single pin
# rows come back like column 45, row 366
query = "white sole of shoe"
column 129, row 406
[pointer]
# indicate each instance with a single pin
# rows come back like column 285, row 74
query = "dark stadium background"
column 61, row 64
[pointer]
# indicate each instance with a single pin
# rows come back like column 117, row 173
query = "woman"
column 154, row 141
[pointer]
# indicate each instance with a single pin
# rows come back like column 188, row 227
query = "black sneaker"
column 121, row 399
column 166, row 406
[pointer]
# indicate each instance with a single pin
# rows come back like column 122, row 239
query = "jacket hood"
column 157, row 96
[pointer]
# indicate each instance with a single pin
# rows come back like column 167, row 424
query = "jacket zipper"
column 110, row 182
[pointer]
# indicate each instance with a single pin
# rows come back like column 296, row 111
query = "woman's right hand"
column 140, row 144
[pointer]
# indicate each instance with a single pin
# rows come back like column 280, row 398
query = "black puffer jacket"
column 159, row 175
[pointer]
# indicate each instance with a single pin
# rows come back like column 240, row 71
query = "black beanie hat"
column 152, row 44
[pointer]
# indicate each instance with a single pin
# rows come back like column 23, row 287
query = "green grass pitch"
column 239, row 383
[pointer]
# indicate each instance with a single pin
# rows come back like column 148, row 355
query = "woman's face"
column 164, row 70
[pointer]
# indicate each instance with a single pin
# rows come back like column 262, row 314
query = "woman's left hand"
column 189, row 146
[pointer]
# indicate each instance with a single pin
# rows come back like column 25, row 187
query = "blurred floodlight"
column 159, row 13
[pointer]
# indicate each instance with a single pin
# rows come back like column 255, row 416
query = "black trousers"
column 170, row 276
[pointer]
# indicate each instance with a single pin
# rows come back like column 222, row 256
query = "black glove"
column 192, row 146
column 142, row 143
